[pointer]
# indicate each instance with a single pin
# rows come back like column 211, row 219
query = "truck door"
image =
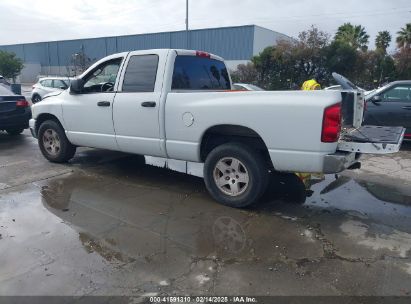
column 137, row 105
column 88, row 115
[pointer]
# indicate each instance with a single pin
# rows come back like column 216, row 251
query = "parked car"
column 178, row 104
column 390, row 105
column 4, row 81
column 15, row 111
column 246, row 87
column 48, row 85
column 334, row 87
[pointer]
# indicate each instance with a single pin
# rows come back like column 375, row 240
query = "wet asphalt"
column 107, row 224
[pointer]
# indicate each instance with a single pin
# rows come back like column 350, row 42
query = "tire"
column 53, row 142
column 14, row 131
column 36, row 98
column 241, row 187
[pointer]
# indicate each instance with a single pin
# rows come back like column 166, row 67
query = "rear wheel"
column 53, row 142
column 14, row 131
column 36, row 98
column 235, row 175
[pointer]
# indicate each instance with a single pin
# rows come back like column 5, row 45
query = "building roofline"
column 142, row 34
column 282, row 34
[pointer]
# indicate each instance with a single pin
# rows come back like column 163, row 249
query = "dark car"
column 390, row 106
column 15, row 112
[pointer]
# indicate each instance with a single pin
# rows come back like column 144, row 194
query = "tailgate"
column 371, row 139
column 365, row 139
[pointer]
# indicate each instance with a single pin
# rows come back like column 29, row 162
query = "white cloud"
column 42, row 20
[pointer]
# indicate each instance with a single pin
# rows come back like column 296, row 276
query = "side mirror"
column 63, row 87
column 376, row 99
column 76, row 86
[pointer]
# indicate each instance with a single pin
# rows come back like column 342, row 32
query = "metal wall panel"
column 36, row 53
column 95, row 48
column 52, row 49
column 66, row 50
column 111, row 43
column 231, row 43
column 264, row 37
column 178, row 40
column 17, row 49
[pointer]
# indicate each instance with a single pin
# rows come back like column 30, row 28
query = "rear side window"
column 140, row 74
column 59, row 84
column 46, row 83
column 199, row 73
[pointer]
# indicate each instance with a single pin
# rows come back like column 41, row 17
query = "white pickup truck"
column 179, row 104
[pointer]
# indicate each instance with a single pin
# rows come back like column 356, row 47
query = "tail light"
column 331, row 124
column 203, row 54
column 22, row 103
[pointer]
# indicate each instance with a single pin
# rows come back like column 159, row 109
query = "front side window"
column 399, row 93
column 140, row 75
column 103, row 77
column 199, row 73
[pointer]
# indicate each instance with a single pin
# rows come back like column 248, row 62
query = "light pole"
column 187, row 35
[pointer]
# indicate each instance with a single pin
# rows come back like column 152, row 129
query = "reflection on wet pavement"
column 127, row 228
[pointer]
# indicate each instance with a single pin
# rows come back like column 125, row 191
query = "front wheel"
column 235, row 175
column 53, row 142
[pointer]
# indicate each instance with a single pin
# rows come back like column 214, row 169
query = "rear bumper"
column 16, row 121
column 340, row 161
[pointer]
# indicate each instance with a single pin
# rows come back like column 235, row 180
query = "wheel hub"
column 51, row 142
column 231, row 176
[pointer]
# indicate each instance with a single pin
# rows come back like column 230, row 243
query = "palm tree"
column 353, row 35
column 382, row 41
column 404, row 37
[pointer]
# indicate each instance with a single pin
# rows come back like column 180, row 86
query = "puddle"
column 394, row 240
column 137, row 225
column 378, row 202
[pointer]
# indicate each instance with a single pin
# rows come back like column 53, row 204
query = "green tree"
column 353, row 35
column 246, row 73
column 266, row 67
column 373, row 68
column 342, row 58
column 382, row 41
column 309, row 53
column 10, row 65
column 403, row 63
column 404, row 37
column 289, row 63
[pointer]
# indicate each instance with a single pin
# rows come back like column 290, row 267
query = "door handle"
column 148, row 104
column 103, row 103
column 407, row 108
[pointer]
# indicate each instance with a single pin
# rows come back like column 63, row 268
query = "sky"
column 25, row 21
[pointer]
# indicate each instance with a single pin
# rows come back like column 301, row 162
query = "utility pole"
column 187, row 34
